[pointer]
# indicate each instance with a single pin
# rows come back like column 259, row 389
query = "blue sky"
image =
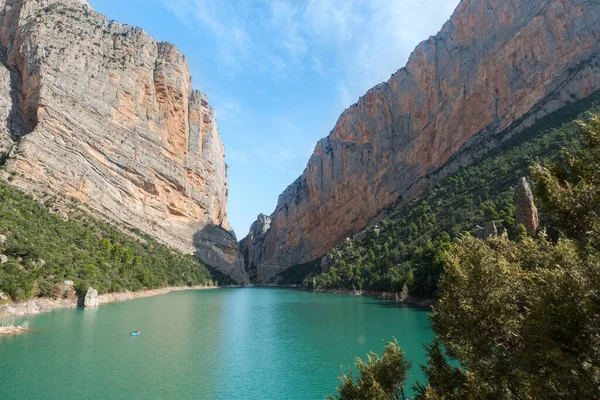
column 279, row 73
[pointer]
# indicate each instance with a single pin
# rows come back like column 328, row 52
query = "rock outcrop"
column 489, row 230
column 91, row 298
column 491, row 71
column 101, row 112
column 526, row 212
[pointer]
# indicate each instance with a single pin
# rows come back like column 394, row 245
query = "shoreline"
column 44, row 305
column 392, row 296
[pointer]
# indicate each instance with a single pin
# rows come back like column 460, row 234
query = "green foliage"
column 518, row 319
column 522, row 317
column 381, row 378
column 570, row 189
column 407, row 247
column 43, row 250
column 296, row 274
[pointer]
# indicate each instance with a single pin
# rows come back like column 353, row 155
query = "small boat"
column 136, row 333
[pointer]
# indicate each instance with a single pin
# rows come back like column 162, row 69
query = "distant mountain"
column 494, row 69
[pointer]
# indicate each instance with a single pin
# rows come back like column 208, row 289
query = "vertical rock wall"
column 492, row 70
column 110, row 117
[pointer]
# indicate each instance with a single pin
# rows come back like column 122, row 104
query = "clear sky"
column 280, row 72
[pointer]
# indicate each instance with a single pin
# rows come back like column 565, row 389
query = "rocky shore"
column 44, row 305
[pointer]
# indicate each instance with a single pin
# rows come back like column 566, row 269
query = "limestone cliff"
column 492, row 70
column 100, row 111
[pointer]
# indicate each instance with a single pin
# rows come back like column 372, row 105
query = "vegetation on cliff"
column 407, row 248
column 43, row 249
column 520, row 318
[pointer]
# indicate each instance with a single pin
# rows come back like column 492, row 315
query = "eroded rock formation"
column 526, row 212
column 489, row 230
column 100, row 111
column 491, row 71
column 91, row 298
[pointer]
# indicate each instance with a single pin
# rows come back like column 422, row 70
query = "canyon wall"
column 492, row 70
column 99, row 111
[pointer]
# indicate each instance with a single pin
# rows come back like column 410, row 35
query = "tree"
column 522, row 317
column 570, row 190
column 381, row 378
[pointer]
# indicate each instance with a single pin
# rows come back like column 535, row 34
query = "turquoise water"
column 254, row 343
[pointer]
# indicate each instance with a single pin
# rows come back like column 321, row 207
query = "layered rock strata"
column 101, row 112
column 493, row 69
column 253, row 247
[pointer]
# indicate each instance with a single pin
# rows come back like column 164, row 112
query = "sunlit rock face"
column 526, row 212
column 492, row 70
column 100, row 111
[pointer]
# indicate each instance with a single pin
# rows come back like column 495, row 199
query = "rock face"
column 489, row 230
column 100, row 111
column 526, row 211
column 492, row 70
column 254, row 247
column 91, row 298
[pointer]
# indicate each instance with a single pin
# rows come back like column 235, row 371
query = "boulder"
column 3, row 259
column 91, row 298
column 3, row 296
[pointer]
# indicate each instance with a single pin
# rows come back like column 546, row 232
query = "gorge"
column 447, row 228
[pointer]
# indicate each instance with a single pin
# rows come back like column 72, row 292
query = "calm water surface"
column 253, row 343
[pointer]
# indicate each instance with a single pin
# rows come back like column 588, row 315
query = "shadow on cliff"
column 16, row 120
column 218, row 248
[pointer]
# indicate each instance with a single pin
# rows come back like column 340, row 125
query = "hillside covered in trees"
column 405, row 250
column 42, row 245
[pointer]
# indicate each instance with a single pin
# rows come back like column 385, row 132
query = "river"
column 251, row 343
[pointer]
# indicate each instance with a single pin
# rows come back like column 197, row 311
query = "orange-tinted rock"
column 111, row 119
column 492, row 70
column 526, row 211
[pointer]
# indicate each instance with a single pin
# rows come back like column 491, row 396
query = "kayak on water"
column 136, row 333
